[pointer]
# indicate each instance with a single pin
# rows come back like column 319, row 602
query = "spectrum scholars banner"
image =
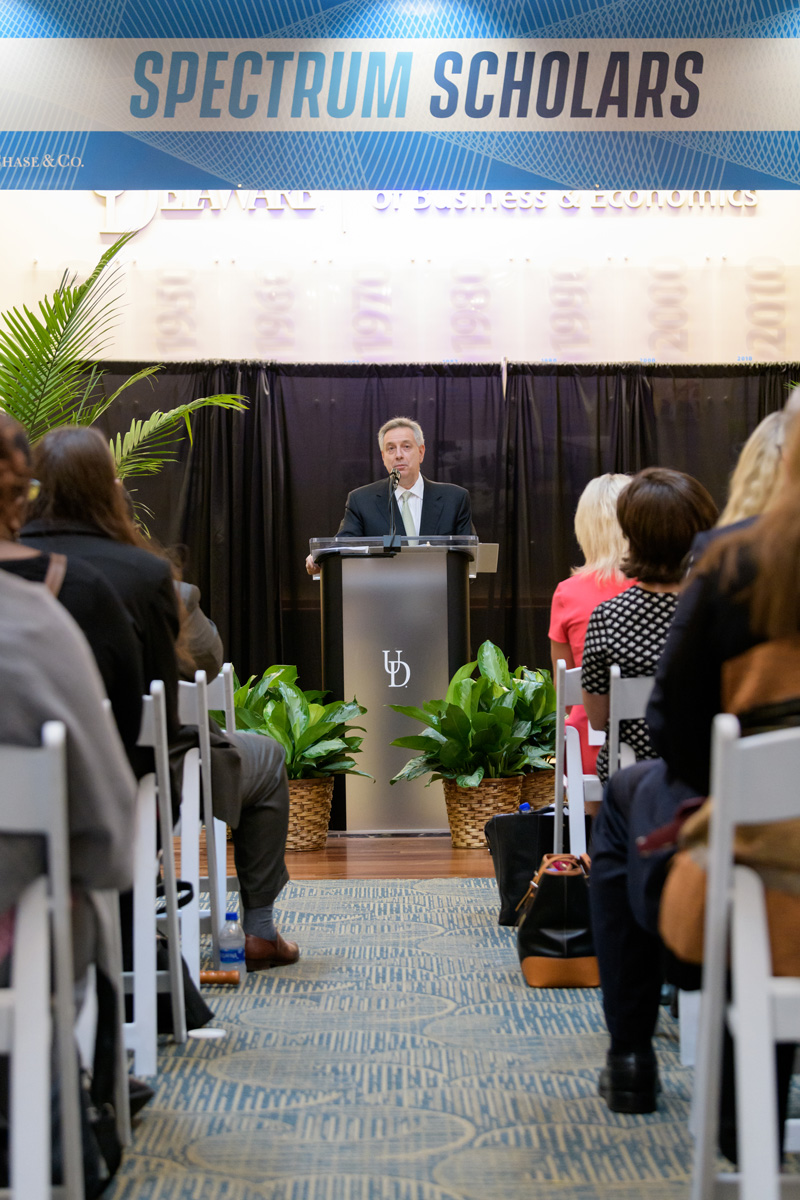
column 404, row 94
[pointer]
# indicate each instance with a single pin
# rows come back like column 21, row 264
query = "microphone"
column 390, row 542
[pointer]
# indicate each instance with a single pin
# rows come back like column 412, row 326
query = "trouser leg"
column 628, row 957
column 259, row 840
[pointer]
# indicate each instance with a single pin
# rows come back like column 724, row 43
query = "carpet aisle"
column 403, row 1058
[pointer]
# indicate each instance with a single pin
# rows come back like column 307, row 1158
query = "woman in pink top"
column 603, row 546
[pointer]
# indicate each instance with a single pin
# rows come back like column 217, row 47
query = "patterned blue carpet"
column 403, row 1058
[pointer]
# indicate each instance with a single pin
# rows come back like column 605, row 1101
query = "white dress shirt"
column 414, row 500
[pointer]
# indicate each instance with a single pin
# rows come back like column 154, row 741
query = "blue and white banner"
column 405, row 94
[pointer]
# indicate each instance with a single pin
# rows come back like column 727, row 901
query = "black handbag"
column 554, row 930
column 518, row 842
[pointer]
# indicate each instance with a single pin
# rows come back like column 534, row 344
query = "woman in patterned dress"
column 660, row 512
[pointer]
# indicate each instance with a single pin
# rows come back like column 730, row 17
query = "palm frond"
column 149, row 444
column 45, row 355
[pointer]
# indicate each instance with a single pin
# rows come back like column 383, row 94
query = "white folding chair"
column 193, row 707
column 220, row 698
column 753, row 780
column 33, row 801
column 579, row 787
column 144, row 982
column 627, row 701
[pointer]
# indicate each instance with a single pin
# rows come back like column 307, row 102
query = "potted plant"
column 317, row 740
column 474, row 741
column 537, row 704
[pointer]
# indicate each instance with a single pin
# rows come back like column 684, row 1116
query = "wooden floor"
column 359, row 857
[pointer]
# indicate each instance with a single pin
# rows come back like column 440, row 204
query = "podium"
column 395, row 628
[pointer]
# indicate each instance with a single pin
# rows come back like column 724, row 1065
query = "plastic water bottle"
column 231, row 945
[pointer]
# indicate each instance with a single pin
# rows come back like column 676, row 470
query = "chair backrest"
column 627, row 701
column 33, row 801
column 195, row 700
column 220, row 696
column 153, row 733
column 753, row 781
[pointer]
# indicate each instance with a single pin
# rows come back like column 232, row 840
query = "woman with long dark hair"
column 83, row 591
column 81, row 509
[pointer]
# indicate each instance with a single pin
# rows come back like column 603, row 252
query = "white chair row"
column 195, row 701
column 753, row 780
column 33, row 800
column 183, row 926
column 144, row 981
column 627, row 700
column 580, row 788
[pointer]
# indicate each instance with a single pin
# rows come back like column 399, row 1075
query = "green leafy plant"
column 49, row 373
column 475, row 733
column 316, row 737
column 537, row 704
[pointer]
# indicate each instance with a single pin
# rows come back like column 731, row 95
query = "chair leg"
column 756, row 1082
column 190, row 862
column 173, row 925
column 30, row 1164
column 141, row 1033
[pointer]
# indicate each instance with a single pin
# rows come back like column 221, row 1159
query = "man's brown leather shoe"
column 260, row 954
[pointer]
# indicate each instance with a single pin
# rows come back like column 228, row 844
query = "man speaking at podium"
column 421, row 507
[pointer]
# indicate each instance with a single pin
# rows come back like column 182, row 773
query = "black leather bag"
column 554, row 930
column 517, row 843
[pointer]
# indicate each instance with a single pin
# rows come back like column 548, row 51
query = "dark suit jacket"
column 445, row 511
column 105, row 624
column 143, row 583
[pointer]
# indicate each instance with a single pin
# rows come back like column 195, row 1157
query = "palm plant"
column 49, row 373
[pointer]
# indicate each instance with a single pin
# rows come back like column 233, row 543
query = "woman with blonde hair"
column 757, row 474
column 603, row 546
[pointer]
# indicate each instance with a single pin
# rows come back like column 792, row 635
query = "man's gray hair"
column 398, row 423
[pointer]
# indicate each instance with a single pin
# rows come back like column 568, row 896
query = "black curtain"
column 250, row 490
column 566, row 424
column 245, row 497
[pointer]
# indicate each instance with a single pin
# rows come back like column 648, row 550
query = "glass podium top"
column 391, row 544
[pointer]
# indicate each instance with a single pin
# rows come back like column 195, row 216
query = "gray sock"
column 258, row 922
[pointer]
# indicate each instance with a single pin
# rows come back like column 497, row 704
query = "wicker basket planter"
column 469, row 808
column 309, row 813
column 538, row 788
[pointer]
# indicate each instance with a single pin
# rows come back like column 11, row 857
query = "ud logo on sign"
column 394, row 667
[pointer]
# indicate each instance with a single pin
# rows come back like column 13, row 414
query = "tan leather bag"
column 772, row 851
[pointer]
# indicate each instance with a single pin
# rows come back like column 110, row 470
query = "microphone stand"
column 391, row 540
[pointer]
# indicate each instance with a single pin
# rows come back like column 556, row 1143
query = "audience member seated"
column 755, row 481
column 82, row 590
column 256, row 808
column 758, row 472
column 81, row 510
column 47, row 673
column 660, row 512
column 575, row 599
column 734, row 646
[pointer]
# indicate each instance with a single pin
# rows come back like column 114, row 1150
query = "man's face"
column 400, row 451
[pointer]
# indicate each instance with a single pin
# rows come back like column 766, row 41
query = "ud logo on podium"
column 394, row 667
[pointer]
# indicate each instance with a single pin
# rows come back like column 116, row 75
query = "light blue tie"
column 405, row 512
